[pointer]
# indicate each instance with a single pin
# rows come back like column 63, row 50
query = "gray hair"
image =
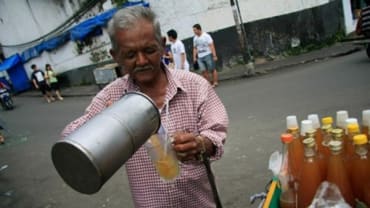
column 127, row 17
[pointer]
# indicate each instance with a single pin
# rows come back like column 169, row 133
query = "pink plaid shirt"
column 193, row 106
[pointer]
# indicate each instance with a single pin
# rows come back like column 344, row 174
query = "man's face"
column 171, row 39
column 196, row 31
column 139, row 52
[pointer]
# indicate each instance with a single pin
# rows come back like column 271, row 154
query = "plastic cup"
column 164, row 158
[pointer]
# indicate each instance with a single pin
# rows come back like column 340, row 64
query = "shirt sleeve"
column 209, row 38
column 98, row 103
column 181, row 48
column 213, row 120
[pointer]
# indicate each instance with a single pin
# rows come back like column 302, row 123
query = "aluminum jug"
column 90, row 155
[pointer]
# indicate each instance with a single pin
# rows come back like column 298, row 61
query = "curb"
column 240, row 73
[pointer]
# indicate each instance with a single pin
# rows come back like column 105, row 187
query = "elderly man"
column 192, row 113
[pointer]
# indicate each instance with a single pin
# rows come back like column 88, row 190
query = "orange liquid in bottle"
column 365, row 130
column 296, row 154
column 319, row 139
column 360, row 167
column 310, row 175
column 287, row 199
column 367, row 194
column 337, row 173
column 288, row 194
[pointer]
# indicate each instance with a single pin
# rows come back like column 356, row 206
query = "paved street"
column 257, row 109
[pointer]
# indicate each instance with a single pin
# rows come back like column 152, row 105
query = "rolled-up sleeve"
column 213, row 120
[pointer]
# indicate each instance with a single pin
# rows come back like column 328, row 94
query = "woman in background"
column 53, row 81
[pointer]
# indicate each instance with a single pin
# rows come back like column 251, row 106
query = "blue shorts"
column 206, row 63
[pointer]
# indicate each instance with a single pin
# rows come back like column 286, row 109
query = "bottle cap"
column 360, row 139
column 353, row 128
column 286, row 138
column 341, row 118
column 309, row 142
column 310, row 133
column 327, row 120
column 306, row 125
column 315, row 120
column 291, row 122
column 350, row 121
column 337, row 134
column 325, row 127
column 335, row 145
column 366, row 117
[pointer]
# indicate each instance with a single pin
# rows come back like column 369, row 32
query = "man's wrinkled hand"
column 185, row 146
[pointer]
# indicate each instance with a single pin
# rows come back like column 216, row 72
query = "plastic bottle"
column 306, row 125
column 310, row 175
column 350, row 121
column 291, row 122
column 319, row 134
column 359, row 177
column 365, row 122
column 296, row 148
column 353, row 130
column 337, row 135
column 288, row 196
column 319, row 156
column 337, row 173
column 327, row 136
column 341, row 117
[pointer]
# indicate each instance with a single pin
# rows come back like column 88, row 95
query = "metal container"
column 89, row 156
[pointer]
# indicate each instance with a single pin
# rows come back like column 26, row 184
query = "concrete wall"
column 270, row 25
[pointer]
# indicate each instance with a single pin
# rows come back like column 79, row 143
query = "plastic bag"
column 328, row 195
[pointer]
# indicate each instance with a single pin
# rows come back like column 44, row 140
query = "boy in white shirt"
column 177, row 51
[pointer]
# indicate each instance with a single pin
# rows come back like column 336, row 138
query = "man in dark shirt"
column 39, row 81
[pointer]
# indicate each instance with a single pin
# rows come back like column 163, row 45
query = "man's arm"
column 183, row 57
column 34, row 82
column 195, row 54
column 213, row 50
column 212, row 129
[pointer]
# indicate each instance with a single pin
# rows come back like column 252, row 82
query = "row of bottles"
column 313, row 153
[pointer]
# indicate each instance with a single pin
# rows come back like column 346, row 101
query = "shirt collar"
column 174, row 84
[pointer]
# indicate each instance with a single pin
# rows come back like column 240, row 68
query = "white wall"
column 213, row 15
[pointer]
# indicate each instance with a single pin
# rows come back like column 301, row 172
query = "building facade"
column 271, row 27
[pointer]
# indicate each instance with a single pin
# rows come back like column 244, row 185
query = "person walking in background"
column 39, row 82
column 178, row 51
column 204, row 53
column 191, row 112
column 166, row 58
column 53, row 81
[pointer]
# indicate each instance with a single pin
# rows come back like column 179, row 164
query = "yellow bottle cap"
column 327, row 120
column 353, row 128
column 360, row 139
